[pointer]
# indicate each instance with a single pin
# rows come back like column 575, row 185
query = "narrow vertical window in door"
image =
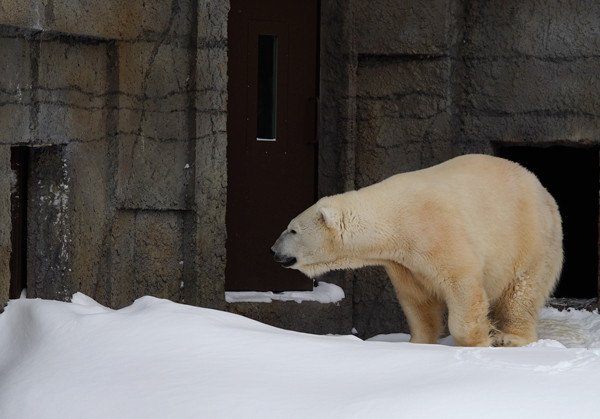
column 267, row 88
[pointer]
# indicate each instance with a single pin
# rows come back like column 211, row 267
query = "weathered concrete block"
column 153, row 174
column 16, row 88
column 5, row 216
column 308, row 316
column 77, row 67
column 207, row 287
column 71, row 91
column 154, row 71
column 24, row 14
column 164, row 126
column 50, row 240
column 403, row 116
column 153, row 125
column 210, row 203
column 541, row 28
column 147, row 256
column 15, row 65
column 210, row 123
column 401, row 100
column 15, row 122
column 212, row 21
column 381, row 77
column 391, row 27
column 211, row 102
column 578, row 129
column 534, row 99
column 158, row 255
column 121, row 271
column 59, row 124
column 212, row 69
column 88, row 202
column 529, row 85
column 110, row 19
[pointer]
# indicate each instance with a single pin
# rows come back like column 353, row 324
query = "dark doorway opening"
column 19, row 163
column 571, row 175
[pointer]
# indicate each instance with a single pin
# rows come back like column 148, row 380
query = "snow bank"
column 323, row 293
column 159, row 359
column 565, row 329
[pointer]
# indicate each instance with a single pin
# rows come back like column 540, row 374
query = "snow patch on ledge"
column 323, row 293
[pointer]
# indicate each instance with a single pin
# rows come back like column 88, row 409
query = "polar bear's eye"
column 293, row 231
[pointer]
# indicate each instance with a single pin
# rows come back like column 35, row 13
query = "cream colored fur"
column 478, row 235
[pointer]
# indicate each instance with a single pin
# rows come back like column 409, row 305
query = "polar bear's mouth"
column 286, row 261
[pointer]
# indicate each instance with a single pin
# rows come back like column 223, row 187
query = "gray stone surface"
column 403, row 116
column 88, row 202
column 5, row 242
column 16, row 87
column 308, row 316
column 392, row 27
column 529, row 71
column 129, row 104
column 50, row 235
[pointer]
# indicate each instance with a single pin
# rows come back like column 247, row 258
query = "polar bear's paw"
column 510, row 340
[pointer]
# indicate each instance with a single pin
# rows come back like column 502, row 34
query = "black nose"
column 272, row 251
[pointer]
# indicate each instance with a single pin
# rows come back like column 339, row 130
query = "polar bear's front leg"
column 468, row 310
column 424, row 312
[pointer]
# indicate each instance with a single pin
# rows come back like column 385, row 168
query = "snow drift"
column 159, row 359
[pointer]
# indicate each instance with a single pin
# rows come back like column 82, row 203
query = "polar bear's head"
column 320, row 239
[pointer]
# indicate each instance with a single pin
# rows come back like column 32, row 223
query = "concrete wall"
column 530, row 71
column 5, row 216
column 124, row 106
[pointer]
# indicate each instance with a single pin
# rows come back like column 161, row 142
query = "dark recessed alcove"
column 571, row 175
column 19, row 163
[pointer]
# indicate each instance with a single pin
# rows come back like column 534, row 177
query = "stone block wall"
column 6, row 177
column 403, row 79
column 123, row 107
column 529, row 71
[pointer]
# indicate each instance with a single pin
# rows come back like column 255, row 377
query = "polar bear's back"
column 492, row 205
column 471, row 182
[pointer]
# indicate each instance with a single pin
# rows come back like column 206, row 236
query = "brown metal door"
column 271, row 125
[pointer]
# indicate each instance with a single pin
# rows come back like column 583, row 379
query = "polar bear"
column 477, row 235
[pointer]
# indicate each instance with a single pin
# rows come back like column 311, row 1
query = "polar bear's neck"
column 380, row 226
column 370, row 232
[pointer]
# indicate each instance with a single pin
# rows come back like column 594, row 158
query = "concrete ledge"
column 308, row 316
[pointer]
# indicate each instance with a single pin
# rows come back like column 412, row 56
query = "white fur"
column 477, row 234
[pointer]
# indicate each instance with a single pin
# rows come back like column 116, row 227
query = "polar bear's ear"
column 330, row 216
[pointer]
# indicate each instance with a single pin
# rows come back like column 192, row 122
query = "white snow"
column 323, row 293
column 159, row 359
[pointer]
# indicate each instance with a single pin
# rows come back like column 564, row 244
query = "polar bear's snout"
column 280, row 255
column 286, row 261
